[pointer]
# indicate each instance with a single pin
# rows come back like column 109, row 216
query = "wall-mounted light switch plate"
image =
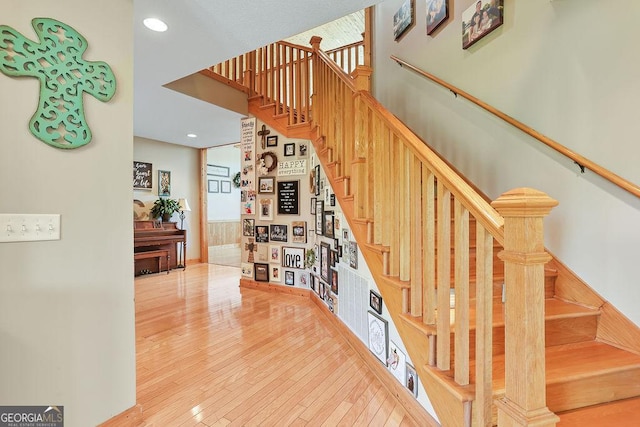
column 29, row 227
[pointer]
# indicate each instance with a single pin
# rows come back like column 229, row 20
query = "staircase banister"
column 580, row 160
column 345, row 47
column 475, row 204
column 293, row 45
column 336, row 69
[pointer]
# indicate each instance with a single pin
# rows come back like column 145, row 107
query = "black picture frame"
column 328, row 218
column 334, row 281
column 278, row 233
column 317, row 176
column 375, row 301
column 142, row 176
column 261, row 272
column 262, row 234
column 272, row 141
column 289, row 277
column 288, row 197
column 290, row 149
column 324, row 261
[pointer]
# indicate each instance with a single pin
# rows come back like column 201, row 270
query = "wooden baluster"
column 290, row 85
column 404, row 211
column 461, row 283
column 396, row 195
column 443, row 358
column 484, row 328
column 524, row 257
column 429, row 238
column 416, row 257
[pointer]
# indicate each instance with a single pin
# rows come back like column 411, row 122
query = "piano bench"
column 159, row 253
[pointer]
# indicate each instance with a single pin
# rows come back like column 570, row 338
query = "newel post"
column 524, row 257
column 362, row 77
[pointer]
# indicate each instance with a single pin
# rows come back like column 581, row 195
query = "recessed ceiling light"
column 192, row 135
column 155, row 24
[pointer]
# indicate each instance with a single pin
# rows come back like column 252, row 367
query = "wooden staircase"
column 554, row 345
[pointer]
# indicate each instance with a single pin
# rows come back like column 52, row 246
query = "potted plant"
column 164, row 208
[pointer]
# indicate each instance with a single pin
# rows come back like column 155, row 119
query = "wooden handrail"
column 580, row 160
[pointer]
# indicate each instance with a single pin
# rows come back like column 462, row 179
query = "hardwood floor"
column 212, row 354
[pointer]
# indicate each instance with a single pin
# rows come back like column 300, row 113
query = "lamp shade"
column 184, row 205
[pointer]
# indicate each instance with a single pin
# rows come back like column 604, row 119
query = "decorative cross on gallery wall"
column 251, row 247
column 263, row 132
column 56, row 60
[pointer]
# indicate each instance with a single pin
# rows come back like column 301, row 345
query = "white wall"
column 568, row 70
column 184, row 165
column 66, row 307
column 224, row 206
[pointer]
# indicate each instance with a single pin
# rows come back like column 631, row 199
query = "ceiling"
column 205, row 32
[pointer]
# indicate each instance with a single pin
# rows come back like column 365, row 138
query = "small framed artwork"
column 317, row 175
column 278, row 233
column 324, row 261
column 313, row 205
column 336, row 243
column 333, row 255
column 290, row 149
column 266, row 185
column 225, row 186
column 378, row 336
column 289, row 277
column 164, row 183
column 274, row 273
column 312, row 181
column 261, row 272
column 334, row 281
column 437, row 13
column 142, row 175
column 266, row 209
column 274, row 254
column 321, row 289
column 332, row 199
column 313, row 283
column 293, row 257
column 272, row 141
column 299, row 232
column 328, row 223
column 319, row 217
column 396, row 363
column 216, row 170
column 412, row 380
column 353, row 255
column 248, row 227
column 214, row 186
column 403, row 19
column 480, row 19
column 339, row 251
column 345, row 235
column 303, row 279
column 262, row 234
column 246, row 268
column 375, row 301
column 303, row 150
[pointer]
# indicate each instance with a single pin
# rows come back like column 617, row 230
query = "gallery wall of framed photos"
column 294, row 234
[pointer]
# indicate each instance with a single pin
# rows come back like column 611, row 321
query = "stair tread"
column 572, row 361
column 621, row 413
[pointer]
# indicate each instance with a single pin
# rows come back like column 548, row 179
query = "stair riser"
column 591, row 391
column 558, row 332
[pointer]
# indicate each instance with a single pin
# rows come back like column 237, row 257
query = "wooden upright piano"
column 154, row 235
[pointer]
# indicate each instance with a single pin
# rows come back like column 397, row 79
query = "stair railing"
column 348, row 57
column 417, row 212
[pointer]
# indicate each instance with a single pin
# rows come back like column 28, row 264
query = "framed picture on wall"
column 403, row 19
column 261, row 272
column 225, row 186
column 272, row 141
column 266, row 185
column 324, row 261
column 164, row 183
column 214, row 186
column 319, row 217
column 216, row 170
column 480, row 19
column 378, row 336
column 437, row 13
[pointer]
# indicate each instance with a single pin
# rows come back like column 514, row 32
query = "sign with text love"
column 293, row 257
column 292, row 167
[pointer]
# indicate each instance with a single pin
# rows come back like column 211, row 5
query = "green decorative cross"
column 64, row 75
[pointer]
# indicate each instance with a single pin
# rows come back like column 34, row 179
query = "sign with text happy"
column 292, row 167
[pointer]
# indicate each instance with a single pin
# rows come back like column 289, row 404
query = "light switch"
column 29, row 227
